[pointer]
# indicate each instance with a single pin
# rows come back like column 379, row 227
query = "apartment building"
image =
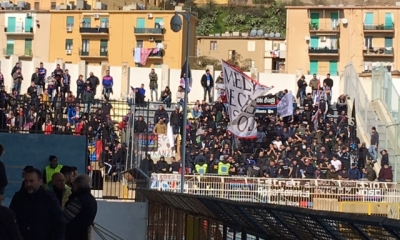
column 267, row 54
column 323, row 39
column 140, row 38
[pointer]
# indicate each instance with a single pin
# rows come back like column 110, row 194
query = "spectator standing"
column 88, row 98
column 15, row 69
column 314, row 85
column 80, row 87
column 66, row 82
column 108, row 83
column 160, row 114
column 373, row 148
column 160, row 127
column 42, row 75
column 81, row 209
column 301, row 92
column 37, row 80
column 70, row 102
column 153, row 84
column 180, row 96
column 3, row 174
column 18, row 78
column 354, row 173
column 38, row 213
column 32, row 92
column 52, row 168
column 8, row 226
column 207, row 82
column 58, row 108
column 59, row 188
column 166, row 96
column 329, row 82
column 176, row 121
column 1, row 79
column 94, row 81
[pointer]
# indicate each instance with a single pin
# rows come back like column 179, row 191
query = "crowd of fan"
column 297, row 146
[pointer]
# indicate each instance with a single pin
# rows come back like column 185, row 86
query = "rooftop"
column 342, row 7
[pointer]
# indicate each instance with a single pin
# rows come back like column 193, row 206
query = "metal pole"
column 183, row 142
column 147, row 132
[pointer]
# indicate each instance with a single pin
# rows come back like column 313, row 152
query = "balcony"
column 379, row 28
column 158, row 54
column 93, row 31
column 148, row 31
column 93, row 54
column 332, row 28
column 323, row 52
column 26, row 53
column 378, row 52
column 19, row 31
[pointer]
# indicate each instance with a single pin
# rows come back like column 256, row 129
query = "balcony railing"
column 19, row 31
column 91, row 30
column 328, row 27
column 323, row 51
column 158, row 54
column 378, row 28
column 28, row 52
column 148, row 31
column 379, row 52
column 92, row 54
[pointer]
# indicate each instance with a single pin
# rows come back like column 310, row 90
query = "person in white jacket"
column 180, row 96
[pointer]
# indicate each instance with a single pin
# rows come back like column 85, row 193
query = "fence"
column 317, row 194
column 384, row 90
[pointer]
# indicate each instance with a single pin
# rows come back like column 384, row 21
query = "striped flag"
column 92, row 151
column 315, row 118
column 317, row 97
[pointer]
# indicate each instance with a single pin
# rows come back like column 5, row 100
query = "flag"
column 242, row 93
column 189, row 75
column 99, row 148
column 317, row 97
column 92, row 151
column 285, row 106
column 170, row 135
column 315, row 118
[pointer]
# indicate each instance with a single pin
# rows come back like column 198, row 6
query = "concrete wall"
column 127, row 220
column 136, row 76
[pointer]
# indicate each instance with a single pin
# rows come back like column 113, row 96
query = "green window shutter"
column 388, row 21
column 87, row 23
column 369, row 19
column 10, row 47
column 314, row 41
column 11, row 24
column 388, row 42
column 68, row 43
column 333, row 68
column 158, row 21
column 104, row 22
column 28, row 24
column 314, row 66
column 140, row 23
column 103, row 47
column 28, row 47
column 70, row 21
column 334, row 20
column 315, row 20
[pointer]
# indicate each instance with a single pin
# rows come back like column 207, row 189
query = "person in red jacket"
column 386, row 174
column 48, row 128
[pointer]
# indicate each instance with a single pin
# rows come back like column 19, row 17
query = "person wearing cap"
column 52, row 168
column 385, row 174
column 354, row 173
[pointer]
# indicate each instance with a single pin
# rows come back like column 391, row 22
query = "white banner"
column 242, row 93
column 285, row 106
column 164, row 149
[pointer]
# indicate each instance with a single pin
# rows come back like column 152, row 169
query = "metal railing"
column 93, row 30
column 148, row 30
column 317, row 194
column 379, row 27
column 323, row 51
column 384, row 90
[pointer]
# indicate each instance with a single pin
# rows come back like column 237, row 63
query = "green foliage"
column 234, row 18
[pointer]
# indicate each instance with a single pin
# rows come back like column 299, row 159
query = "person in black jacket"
column 3, row 175
column 162, row 165
column 8, row 227
column 207, row 82
column 176, row 121
column 161, row 114
column 37, row 211
column 140, row 125
column 80, row 210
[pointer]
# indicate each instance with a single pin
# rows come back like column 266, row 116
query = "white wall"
column 137, row 76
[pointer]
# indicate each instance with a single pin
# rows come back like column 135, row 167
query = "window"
column 28, row 47
column 368, row 42
column 87, row 22
column 388, row 42
column 158, row 43
column 388, row 21
column 11, row 26
column 333, row 68
column 70, row 21
column 369, row 20
column 104, row 22
column 140, row 23
column 213, row 45
column 28, row 24
column 85, row 46
column 10, row 47
column 334, row 20
column 251, row 46
column 313, row 67
column 139, row 43
column 68, row 44
column 53, row 5
column 314, row 21
column 103, row 47
column 314, row 42
column 36, row 6
column 158, row 21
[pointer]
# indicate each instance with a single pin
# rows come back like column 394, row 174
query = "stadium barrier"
column 372, row 198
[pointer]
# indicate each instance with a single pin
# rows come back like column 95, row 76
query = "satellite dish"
column 266, row 35
column 253, row 32
column 260, row 32
column 344, row 21
column 161, row 23
column 277, row 34
column 272, row 34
